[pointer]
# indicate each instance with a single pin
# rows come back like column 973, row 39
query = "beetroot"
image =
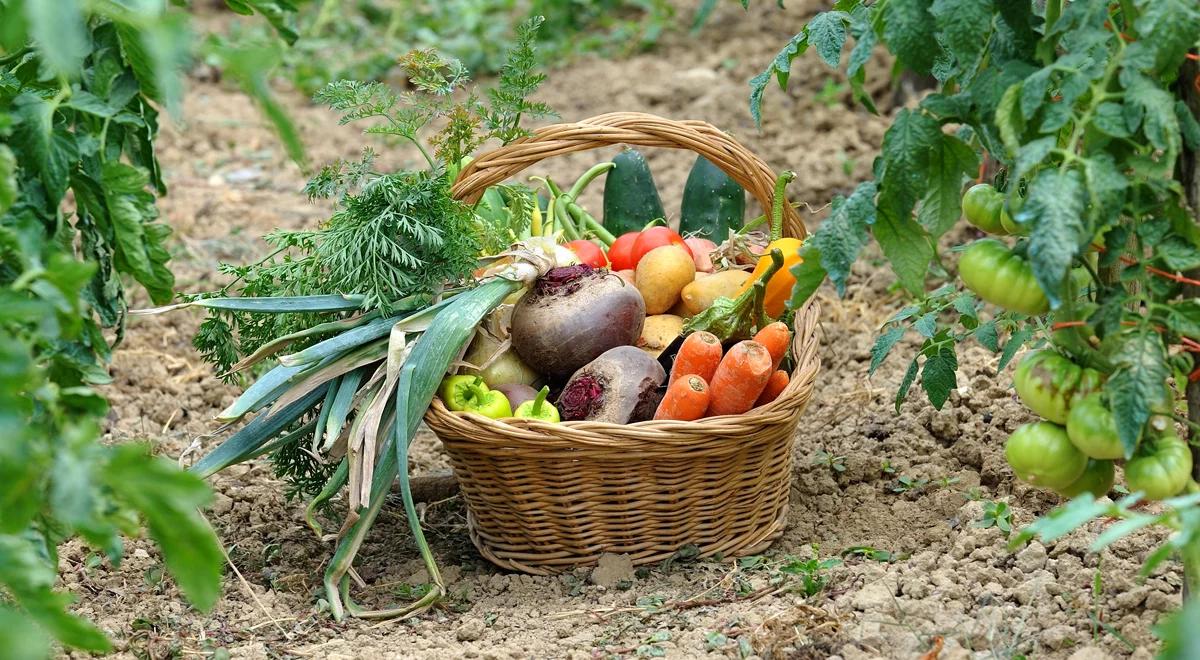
column 573, row 314
column 620, row 386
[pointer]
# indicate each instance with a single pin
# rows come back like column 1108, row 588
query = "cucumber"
column 712, row 204
column 630, row 198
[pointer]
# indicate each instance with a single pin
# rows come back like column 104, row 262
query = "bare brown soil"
column 950, row 579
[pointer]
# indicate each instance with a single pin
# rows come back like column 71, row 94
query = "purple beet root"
column 620, row 387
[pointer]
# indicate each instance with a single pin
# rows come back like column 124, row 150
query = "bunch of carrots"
column 704, row 382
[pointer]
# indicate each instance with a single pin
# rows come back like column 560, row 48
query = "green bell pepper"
column 537, row 408
column 470, row 394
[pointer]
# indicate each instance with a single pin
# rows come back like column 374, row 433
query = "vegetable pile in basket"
column 522, row 306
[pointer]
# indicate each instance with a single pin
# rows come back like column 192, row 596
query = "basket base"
column 544, row 564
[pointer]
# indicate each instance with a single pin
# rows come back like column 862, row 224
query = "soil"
column 949, row 584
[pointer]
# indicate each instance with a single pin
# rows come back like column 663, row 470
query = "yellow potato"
column 681, row 310
column 700, row 295
column 661, row 275
column 658, row 332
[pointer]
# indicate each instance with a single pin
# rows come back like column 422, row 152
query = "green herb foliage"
column 393, row 235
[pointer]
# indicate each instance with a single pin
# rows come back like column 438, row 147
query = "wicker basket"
column 545, row 498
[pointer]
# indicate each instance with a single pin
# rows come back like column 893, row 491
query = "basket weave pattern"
column 544, row 498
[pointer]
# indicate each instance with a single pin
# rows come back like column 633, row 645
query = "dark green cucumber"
column 712, row 204
column 630, row 198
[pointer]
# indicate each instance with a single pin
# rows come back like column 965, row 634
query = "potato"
column 658, row 332
column 681, row 310
column 661, row 275
column 700, row 295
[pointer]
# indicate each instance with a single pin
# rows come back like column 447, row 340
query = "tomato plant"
column 1082, row 118
column 80, row 88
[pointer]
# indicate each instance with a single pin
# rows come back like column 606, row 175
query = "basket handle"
column 627, row 128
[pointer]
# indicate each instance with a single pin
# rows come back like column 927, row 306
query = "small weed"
column 650, row 604
column 831, row 92
column 867, row 552
column 813, row 572
column 907, row 484
column 998, row 515
column 848, row 164
column 835, row 463
column 886, row 467
column 973, row 494
column 651, row 647
column 490, row 618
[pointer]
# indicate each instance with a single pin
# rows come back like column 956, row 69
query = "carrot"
column 776, row 338
column 699, row 355
column 774, row 388
column 740, row 378
column 686, row 400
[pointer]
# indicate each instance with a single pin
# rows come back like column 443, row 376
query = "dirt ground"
column 948, row 579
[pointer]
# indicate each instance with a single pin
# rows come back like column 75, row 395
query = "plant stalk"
column 1188, row 173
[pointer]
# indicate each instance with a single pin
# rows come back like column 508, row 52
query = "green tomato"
column 1097, row 479
column 1050, row 384
column 1093, row 430
column 1002, row 278
column 982, row 205
column 1162, row 468
column 1042, row 454
column 1011, row 226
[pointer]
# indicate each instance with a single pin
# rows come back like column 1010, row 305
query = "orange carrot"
column 776, row 338
column 686, row 400
column 699, row 355
column 775, row 385
column 740, row 378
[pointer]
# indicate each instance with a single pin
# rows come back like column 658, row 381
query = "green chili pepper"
column 470, row 394
column 537, row 408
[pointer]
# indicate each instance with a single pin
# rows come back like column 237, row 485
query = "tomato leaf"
column 907, row 246
column 29, row 579
column 1168, row 29
column 1055, row 210
column 827, row 34
column 1014, row 344
column 1136, row 384
column 1062, row 520
column 808, row 275
column 965, row 25
column 987, row 336
column 842, row 235
column 779, row 69
column 906, row 32
column 951, row 162
column 168, row 498
column 907, row 381
column 884, row 344
column 938, row 377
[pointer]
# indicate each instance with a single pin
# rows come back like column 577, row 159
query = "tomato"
column 1042, row 454
column 1093, row 430
column 982, row 205
column 620, row 253
column 1097, row 479
column 1011, row 226
column 1002, row 278
column 1050, row 384
column 589, row 253
column 1161, row 469
column 657, row 237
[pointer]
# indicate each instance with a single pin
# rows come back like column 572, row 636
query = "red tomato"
column 620, row 253
column 589, row 253
column 657, row 237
